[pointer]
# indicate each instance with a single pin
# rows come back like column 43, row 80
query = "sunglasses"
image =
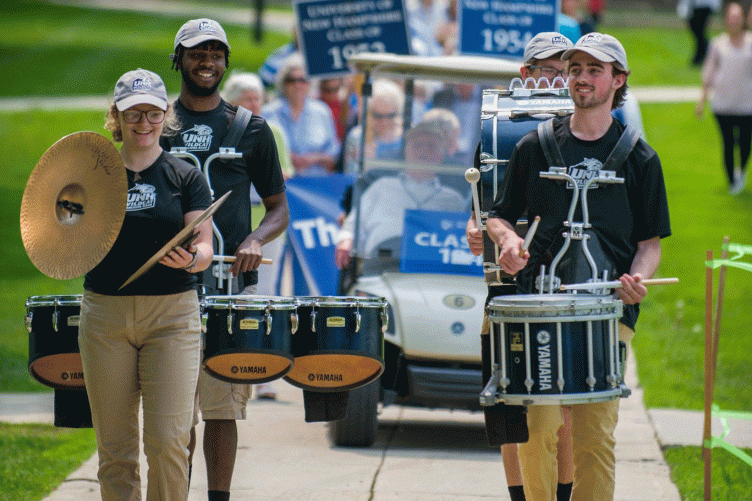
column 291, row 80
column 383, row 116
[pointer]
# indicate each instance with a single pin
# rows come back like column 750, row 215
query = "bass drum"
column 506, row 116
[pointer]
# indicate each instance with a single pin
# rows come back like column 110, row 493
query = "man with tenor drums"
column 207, row 123
column 542, row 65
column 628, row 220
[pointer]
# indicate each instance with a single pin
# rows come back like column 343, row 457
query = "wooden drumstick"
column 616, row 284
column 472, row 176
column 232, row 259
column 529, row 236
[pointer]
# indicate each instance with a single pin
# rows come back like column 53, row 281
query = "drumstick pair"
column 472, row 176
column 232, row 259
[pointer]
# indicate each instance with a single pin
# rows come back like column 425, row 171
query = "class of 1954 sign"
column 331, row 31
column 503, row 27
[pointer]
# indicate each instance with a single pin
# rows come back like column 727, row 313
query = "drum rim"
column 249, row 302
column 54, row 300
column 327, row 301
column 551, row 299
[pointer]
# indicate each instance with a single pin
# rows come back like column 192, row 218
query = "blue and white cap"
column 604, row 48
column 197, row 31
column 544, row 45
column 140, row 87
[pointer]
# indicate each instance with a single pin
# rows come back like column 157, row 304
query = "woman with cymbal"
column 142, row 342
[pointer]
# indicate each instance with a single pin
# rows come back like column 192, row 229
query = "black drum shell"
column 334, row 337
column 256, row 356
column 71, row 409
column 54, row 356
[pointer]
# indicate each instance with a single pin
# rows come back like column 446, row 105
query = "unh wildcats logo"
column 141, row 196
column 584, row 171
column 197, row 138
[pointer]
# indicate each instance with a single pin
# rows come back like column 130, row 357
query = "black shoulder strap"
column 548, row 143
column 237, row 127
column 623, row 148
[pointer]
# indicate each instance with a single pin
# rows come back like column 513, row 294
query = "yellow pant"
column 141, row 348
column 593, row 441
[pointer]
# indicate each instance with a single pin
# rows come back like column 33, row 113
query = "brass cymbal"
column 181, row 239
column 74, row 205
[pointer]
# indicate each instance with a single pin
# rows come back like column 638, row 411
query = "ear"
column 524, row 72
column 619, row 80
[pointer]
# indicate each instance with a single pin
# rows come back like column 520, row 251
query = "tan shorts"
column 221, row 400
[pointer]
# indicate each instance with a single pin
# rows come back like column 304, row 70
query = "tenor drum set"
column 71, row 213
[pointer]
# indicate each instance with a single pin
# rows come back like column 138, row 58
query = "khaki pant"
column 593, row 439
column 145, row 348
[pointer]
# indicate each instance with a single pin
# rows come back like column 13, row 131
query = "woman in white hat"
column 142, row 343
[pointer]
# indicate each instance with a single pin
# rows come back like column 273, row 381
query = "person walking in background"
column 697, row 14
column 727, row 80
column 141, row 345
column 308, row 122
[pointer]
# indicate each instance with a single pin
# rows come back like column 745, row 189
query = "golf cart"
column 407, row 223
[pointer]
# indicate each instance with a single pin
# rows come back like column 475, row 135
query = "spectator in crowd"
column 331, row 92
column 595, row 9
column 727, row 75
column 697, row 14
column 424, row 18
column 464, row 100
column 384, row 136
column 569, row 20
column 308, row 122
column 271, row 65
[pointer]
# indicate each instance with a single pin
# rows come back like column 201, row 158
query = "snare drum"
column 557, row 348
column 54, row 359
column 506, row 116
column 248, row 338
column 339, row 344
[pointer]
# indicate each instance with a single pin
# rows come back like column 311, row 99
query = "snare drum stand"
column 219, row 270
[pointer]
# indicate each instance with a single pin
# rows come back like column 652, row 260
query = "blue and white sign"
column 435, row 242
column 503, row 27
column 330, row 31
column 314, row 204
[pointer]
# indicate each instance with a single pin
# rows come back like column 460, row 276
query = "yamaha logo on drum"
column 544, row 360
column 247, row 369
column 65, row 376
column 326, row 378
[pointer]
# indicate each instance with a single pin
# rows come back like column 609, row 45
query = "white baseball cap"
column 140, row 87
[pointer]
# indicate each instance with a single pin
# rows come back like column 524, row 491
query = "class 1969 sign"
column 331, row 31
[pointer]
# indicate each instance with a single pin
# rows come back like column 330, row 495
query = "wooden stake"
column 707, row 452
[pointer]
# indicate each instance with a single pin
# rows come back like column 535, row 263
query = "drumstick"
column 616, row 284
column 472, row 176
column 529, row 236
column 232, row 259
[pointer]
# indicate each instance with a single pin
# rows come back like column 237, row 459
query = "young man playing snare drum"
column 628, row 221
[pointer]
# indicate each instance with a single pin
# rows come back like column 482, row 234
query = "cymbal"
column 183, row 238
column 73, row 206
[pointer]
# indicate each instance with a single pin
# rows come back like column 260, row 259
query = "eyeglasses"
column 548, row 71
column 134, row 116
column 383, row 116
column 291, row 80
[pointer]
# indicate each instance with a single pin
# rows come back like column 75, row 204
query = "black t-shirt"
column 202, row 134
column 621, row 215
column 157, row 202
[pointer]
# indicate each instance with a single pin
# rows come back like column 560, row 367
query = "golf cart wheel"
column 358, row 428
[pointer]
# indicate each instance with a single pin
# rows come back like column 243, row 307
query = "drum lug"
column 294, row 322
column 357, row 320
column 204, row 320
column 384, row 320
column 29, row 318
column 55, row 319
column 313, row 319
column 230, row 319
column 268, row 320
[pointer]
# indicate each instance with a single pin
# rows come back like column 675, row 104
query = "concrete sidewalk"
column 418, row 455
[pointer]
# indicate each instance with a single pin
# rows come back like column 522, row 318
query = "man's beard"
column 197, row 90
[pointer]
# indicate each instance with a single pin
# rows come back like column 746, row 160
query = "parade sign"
column 435, row 242
column 330, row 31
column 503, row 27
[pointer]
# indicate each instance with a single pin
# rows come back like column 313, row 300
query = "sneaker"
column 737, row 187
column 264, row 391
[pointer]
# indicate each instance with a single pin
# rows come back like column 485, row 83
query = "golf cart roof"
column 459, row 68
